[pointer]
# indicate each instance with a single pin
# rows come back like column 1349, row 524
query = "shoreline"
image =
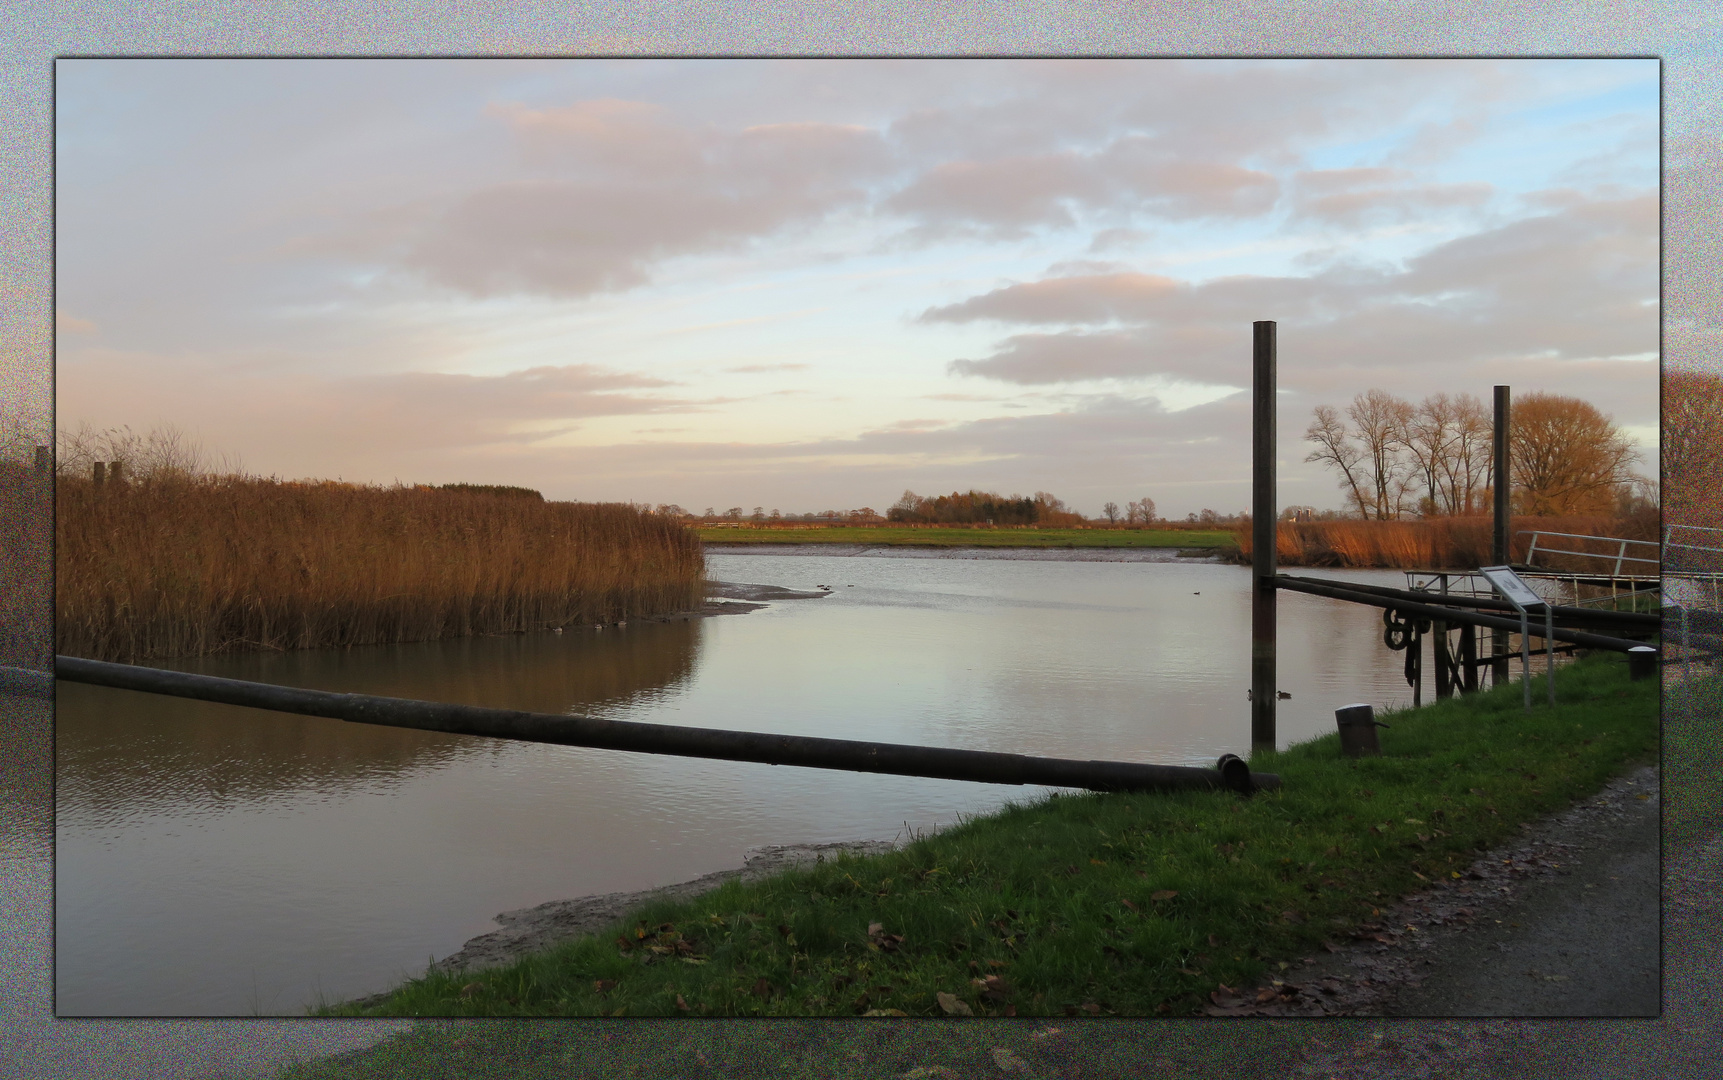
column 1021, row 554
column 1429, row 959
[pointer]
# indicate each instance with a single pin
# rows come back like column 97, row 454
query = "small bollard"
column 1641, row 662
column 1358, row 726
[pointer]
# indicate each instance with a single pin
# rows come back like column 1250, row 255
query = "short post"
column 100, row 473
column 1262, row 552
column 1641, row 662
column 114, row 473
column 1358, row 726
column 44, row 461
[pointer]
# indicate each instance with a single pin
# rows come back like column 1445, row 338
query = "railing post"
column 1262, row 525
column 99, row 473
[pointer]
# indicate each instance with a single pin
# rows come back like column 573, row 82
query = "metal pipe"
column 17, row 680
column 1263, row 682
column 979, row 766
column 1432, row 611
column 1590, row 616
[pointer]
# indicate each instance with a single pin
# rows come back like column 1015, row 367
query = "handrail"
column 1587, row 616
column 979, row 766
column 1620, row 556
column 1344, row 590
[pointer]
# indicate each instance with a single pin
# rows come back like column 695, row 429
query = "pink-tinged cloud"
column 1579, row 283
column 1004, row 197
column 1359, row 207
column 626, row 189
column 364, row 415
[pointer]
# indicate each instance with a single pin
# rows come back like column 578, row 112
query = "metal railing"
column 1620, row 555
column 1693, row 597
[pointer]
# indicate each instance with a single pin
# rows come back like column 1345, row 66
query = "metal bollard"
column 1358, row 726
column 1641, row 662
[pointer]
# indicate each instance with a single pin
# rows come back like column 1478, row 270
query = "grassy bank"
column 1088, row 904
column 1693, row 779
column 186, row 567
column 1437, row 543
column 937, row 536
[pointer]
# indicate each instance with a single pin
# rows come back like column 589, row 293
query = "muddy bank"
column 735, row 598
column 535, row 929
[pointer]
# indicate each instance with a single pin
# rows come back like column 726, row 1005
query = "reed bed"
column 190, row 566
column 1440, row 543
column 26, row 566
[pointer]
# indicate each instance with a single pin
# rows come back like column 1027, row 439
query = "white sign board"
column 1511, row 587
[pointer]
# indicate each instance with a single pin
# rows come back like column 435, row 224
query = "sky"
column 813, row 284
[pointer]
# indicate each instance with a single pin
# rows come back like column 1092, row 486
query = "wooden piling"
column 1501, row 480
column 1262, row 523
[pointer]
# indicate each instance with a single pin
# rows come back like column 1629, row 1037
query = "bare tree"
column 1143, row 510
column 1380, row 421
column 1567, row 457
column 1334, row 446
column 1112, row 512
column 1467, row 466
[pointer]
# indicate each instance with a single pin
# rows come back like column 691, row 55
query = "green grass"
column 1122, row 904
column 938, row 537
column 827, row 1050
column 1693, row 778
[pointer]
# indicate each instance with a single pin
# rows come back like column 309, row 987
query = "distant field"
column 937, row 537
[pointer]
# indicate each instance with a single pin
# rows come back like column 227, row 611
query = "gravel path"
column 1564, row 922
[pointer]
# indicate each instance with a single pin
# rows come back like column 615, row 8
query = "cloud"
column 1355, row 198
column 1576, row 284
column 65, row 323
column 361, row 416
column 760, row 369
column 624, row 188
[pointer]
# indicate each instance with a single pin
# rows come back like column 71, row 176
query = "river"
column 220, row 861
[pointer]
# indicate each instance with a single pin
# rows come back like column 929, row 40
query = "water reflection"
column 123, row 753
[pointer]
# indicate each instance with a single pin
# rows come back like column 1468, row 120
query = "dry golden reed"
column 187, row 567
column 1443, row 543
column 26, row 566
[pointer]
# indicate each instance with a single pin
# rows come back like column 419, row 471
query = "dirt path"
column 1564, row 922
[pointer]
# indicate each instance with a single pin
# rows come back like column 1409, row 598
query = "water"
column 220, row 861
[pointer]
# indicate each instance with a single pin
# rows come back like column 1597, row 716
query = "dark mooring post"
column 1262, row 540
column 1501, row 481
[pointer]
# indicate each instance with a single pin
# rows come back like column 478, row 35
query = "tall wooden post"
column 1501, row 481
column 1262, row 539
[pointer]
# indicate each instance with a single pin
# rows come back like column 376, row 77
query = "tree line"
column 982, row 508
column 1435, row 458
column 1693, row 448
